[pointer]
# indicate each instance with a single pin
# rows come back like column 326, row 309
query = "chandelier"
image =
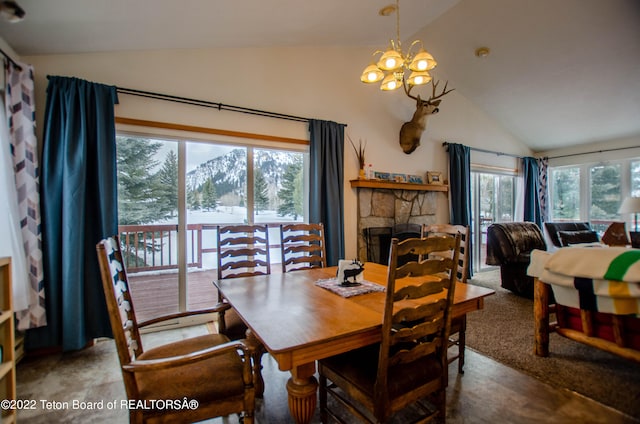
column 393, row 63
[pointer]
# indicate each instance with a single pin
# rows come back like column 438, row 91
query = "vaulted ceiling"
column 560, row 72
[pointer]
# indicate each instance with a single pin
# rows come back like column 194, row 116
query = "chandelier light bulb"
column 419, row 78
column 371, row 74
column 391, row 82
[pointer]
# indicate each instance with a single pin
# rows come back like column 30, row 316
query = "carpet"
column 503, row 330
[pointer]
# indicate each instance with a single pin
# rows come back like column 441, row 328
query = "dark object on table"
column 351, row 271
column 509, row 245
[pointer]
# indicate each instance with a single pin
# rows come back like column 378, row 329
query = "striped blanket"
column 595, row 279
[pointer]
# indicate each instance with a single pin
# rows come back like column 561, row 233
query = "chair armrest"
column 220, row 307
column 146, row 365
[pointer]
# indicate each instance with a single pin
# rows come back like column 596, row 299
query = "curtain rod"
column 6, row 56
column 488, row 151
column 213, row 105
column 595, row 151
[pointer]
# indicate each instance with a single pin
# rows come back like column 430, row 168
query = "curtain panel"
column 326, row 184
column 460, row 190
column 21, row 121
column 79, row 208
column 530, row 172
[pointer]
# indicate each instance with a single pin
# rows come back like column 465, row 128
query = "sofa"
column 565, row 233
column 509, row 245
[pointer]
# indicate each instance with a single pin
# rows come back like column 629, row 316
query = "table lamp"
column 632, row 205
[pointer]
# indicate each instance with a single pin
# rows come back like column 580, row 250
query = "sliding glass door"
column 492, row 200
column 173, row 193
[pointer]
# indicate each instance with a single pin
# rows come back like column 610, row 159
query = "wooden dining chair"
column 243, row 251
column 409, row 366
column 210, row 369
column 303, row 246
column 458, row 333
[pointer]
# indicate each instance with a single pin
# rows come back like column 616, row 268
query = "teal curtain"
column 326, row 175
column 79, row 208
column 460, row 190
column 532, row 210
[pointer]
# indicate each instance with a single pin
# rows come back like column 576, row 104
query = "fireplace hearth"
column 385, row 212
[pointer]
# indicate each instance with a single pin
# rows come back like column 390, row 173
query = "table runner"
column 334, row 286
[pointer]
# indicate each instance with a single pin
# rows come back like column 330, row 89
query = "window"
column 163, row 184
column 635, row 178
column 605, row 195
column 564, row 187
column 492, row 200
column 593, row 192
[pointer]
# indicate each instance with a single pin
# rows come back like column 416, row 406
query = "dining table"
column 300, row 322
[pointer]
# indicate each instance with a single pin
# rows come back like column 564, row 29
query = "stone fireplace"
column 391, row 206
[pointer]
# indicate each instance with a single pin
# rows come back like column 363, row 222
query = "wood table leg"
column 541, row 317
column 302, row 388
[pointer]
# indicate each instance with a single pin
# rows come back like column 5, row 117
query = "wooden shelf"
column 379, row 184
column 7, row 341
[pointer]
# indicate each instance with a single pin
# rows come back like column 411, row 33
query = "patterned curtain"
column 543, row 189
column 20, row 110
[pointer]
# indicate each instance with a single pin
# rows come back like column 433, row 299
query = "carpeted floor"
column 503, row 330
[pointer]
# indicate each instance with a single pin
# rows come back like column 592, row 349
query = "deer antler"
column 408, row 90
column 444, row 91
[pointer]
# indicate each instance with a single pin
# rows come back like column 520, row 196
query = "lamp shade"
column 423, row 61
column 630, row 205
column 371, row 74
column 390, row 82
column 390, row 60
column 419, row 78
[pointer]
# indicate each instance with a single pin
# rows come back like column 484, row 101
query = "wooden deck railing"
column 155, row 247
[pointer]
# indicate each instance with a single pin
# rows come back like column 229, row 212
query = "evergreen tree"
column 291, row 192
column 260, row 192
column 137, row 187
column 605, row 191
column 209, row 199
column 193, row 199
column 168, row 185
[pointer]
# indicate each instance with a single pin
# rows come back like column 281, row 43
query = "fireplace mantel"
column 379, row 184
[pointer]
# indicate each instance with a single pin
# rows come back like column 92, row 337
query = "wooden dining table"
column 299, row 322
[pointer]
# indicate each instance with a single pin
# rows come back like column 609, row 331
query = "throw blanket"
column 602, row 280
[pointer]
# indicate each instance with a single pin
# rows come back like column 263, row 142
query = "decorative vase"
column 361, row 174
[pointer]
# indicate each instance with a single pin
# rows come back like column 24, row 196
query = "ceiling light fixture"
column 393, row 63
column 11, row 12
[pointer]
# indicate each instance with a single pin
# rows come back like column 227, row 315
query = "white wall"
column 321, row 83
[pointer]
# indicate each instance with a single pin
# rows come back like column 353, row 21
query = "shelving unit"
column 379, row 184
column 7, row 341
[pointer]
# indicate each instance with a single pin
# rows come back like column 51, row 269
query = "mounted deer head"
column 411, row 131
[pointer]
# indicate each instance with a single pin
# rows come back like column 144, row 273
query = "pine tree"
column 193, row 199
column 168, row 189
column 209, row 199
column 137, row 186
column 291, row 192
column 260, row 192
